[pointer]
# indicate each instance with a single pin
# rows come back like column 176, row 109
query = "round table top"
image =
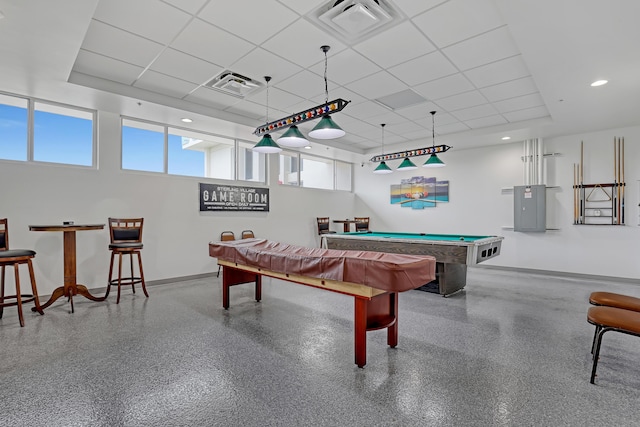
column 66, row 227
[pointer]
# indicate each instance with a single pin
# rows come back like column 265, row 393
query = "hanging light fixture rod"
column 303, row 116
column 411, row 153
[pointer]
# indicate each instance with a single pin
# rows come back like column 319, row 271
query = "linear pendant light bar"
column 303, row 116
column 411, row 153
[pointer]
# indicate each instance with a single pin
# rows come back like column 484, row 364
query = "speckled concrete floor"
column 510, row 350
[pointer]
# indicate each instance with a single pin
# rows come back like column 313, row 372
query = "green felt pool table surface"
column 421, row 236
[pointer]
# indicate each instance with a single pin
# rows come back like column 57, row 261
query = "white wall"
column 176, row 234
column 478, row 206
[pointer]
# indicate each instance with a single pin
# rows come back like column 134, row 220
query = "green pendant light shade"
column 407, row 165
column 433, row 161
column 293, row 138
column 267, row 145
column 326, row 129
column 382, row 169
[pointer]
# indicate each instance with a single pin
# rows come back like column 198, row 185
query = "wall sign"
column 216, row 197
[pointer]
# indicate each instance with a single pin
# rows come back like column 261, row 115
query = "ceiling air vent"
column 354, row 20
column 233, row 84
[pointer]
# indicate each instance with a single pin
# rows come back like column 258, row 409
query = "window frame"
column 298, row 155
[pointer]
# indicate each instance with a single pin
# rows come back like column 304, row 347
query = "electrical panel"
column 530, row 208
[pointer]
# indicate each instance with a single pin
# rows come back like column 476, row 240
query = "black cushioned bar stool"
column 15, row 257
column 126, row 239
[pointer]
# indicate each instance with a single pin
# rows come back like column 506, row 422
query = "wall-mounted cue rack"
column 600, row 204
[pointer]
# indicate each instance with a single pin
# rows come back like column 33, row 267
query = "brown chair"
column 226, row 236
column 610, row 319
column 247, row 234
column 323, row 225
column 15, row 257
column 362, row 223
column 126, row 239
column 610, row 299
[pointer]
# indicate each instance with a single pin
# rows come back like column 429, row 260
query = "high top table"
column 71, row 286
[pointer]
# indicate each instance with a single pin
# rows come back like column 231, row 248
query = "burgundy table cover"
column 385, row 271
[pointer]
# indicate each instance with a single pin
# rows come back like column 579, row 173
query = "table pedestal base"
column 69, row 292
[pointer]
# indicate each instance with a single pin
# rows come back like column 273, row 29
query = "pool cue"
column 575, row 193
column 622, row 184
column 581, row 172
column 615, row 193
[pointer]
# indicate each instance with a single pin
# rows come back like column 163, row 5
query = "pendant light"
column 293, row 138
column 267, row 145
column 326, row 127
column 433, row 161
column 382, row 167
column 407, row 165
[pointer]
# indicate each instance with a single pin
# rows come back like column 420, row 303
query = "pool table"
column 453, row 253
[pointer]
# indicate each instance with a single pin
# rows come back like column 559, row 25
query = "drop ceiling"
column 489, row 68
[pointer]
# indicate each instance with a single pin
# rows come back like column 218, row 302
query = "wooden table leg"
column 360, row 327
column 392, row 331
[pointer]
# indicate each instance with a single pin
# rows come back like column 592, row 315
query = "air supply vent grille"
column 354, row 20
column 234, row 84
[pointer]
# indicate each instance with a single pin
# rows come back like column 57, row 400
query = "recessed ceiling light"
column 308, row 147
column 599, row 83
column 186, row 120
column 506, row 138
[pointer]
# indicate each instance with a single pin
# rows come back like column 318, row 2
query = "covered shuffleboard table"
column 374, row 279
column 453, row 253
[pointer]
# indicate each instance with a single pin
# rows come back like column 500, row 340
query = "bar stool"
column 15, row 257
column 226, row 236
column 126, row 239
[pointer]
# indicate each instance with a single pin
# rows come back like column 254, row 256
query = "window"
column 147, row 146
column 13, row 128
column 316, row 172
column 60, row 134
column 310, row 171
column 288, row 169
column 142, row 146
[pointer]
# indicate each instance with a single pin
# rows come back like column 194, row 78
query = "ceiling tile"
column 248, row 20
column 444, row 87
column 486, row 122
column 509, row 89
column 293, row 43
column 476, row 112
column 451, row 128
column 423, row 69
column 483, row 49
column 458, row 20
column 159, row 83
column 528, row 114
column 519, row 103
column 190, row 6
column 498, row 72
column 377, row 85
column 269, row 65
column 413, row 7
column 383, row 48
column 344, row 67
column 279, row 99
column 100, row 66
column 198, row 39
column 253, row 110
column 300, row 6
column 212, row 98
column 365, row 110
column 304, row 83
column 463, row 100
column 418, row 112
column 185, row 67
column 166, row 23
column 117, row 44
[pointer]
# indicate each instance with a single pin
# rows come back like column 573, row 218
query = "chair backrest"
column 4, row 234
column 125, row 230
column 362, row 223
column 227, row 235
column 247, row 234
column 323, row 225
